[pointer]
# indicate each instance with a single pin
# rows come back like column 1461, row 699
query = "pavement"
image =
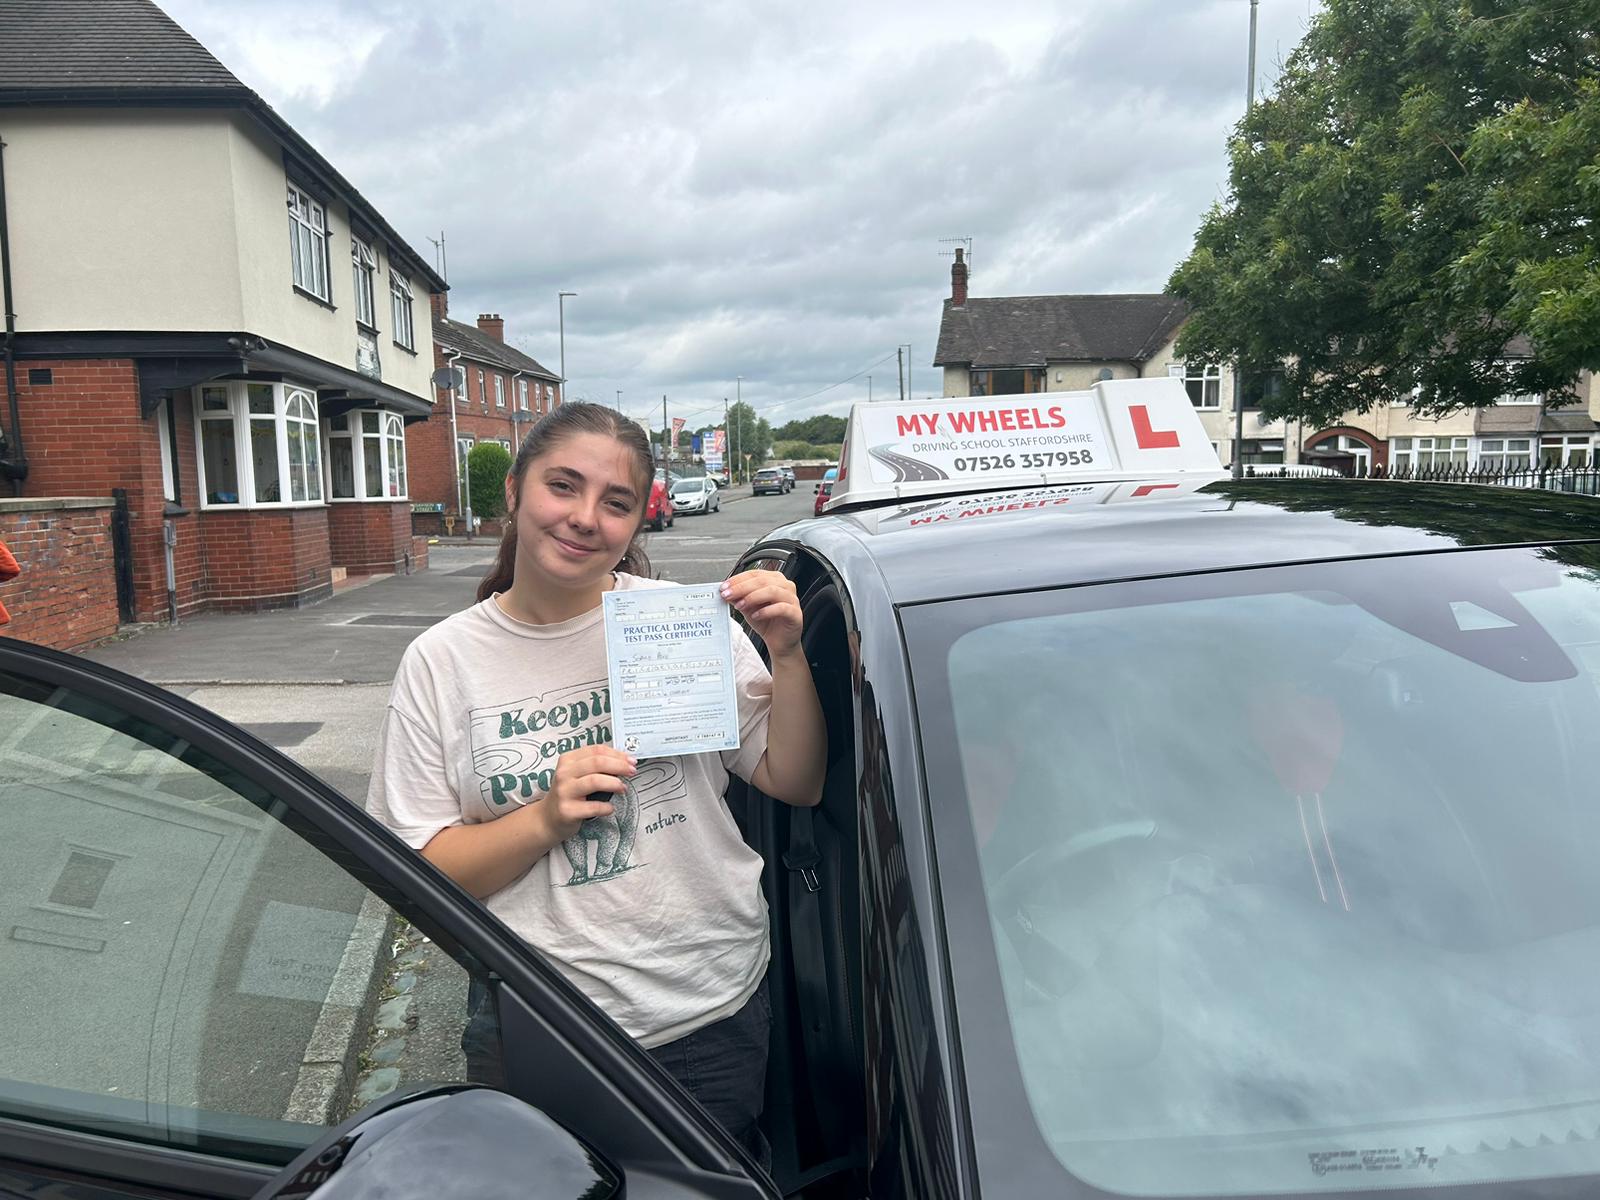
column 388, row 1005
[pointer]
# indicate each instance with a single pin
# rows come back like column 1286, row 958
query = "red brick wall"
column 266, row 559
column 66, row 596
column 370, row 538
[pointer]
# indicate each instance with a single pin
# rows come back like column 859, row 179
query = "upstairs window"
column 522, row 394
column 400, row 311
column 499, row 391
column 1203, row 383
column 1007, row 382
column 308, row 244
column 364, row 261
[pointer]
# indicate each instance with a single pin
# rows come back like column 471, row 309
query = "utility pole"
column 561, row 311
column 900, row 364
column 665, row 462
column 619, row 399
column 1238, row 392
column 738, row 396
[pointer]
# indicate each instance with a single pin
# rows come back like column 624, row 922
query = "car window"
column 187, row 963
column 1289, row 874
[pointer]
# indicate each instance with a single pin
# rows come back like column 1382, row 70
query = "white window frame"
column 1408, row 451
column 1504, row 453
column 400, row 310
column 364, row 265
column 499, row 390
column 169, row 485
column 285, row 396
column 1564, row 444
column 522, row 395
column 1210, row 380
column 386, row 431
column 1508, row 398
column 483, row 388
column 308, row 244
column 460, row 388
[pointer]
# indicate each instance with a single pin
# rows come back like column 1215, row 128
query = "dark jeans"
column 723, row 1066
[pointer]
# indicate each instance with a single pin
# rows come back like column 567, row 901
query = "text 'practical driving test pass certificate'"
column 670, row 659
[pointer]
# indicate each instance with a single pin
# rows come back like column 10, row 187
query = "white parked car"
column 697, row 495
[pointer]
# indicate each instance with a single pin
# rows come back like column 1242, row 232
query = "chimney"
column 440, row 302
column 958, row 278
column 491, row 324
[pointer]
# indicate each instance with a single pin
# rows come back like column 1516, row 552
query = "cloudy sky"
column 761, row 189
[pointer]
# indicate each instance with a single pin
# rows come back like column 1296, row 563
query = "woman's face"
column 579, row 509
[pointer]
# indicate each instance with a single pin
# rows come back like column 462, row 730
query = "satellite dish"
column 449, row 377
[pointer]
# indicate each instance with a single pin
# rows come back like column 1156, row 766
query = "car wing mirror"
column 447, row 1141
column 817, row 487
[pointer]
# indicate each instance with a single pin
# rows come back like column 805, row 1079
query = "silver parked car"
column 698, row 495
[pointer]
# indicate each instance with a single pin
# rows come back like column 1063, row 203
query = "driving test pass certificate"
column 670, row 661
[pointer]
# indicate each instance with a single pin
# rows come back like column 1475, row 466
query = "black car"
column 1181, row 837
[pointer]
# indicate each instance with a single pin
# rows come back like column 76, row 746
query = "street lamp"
column 561, row 311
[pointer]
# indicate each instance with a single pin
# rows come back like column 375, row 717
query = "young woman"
column 497, row 742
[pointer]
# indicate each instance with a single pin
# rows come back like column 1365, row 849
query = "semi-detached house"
column 210, row 323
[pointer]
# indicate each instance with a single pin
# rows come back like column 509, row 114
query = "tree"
column 748, row 434
column 1420, row 195
column 487, row 464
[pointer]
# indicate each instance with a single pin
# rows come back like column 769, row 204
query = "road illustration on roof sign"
column 906, row 469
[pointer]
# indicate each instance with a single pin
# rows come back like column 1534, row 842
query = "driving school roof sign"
column 1119, row 429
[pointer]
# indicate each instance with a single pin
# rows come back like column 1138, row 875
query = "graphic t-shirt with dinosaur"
column 654, row 912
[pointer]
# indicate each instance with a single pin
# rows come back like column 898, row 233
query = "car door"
column 209, row 957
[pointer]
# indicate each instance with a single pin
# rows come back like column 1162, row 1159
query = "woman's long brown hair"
column 562, row 422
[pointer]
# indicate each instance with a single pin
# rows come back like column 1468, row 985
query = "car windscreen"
column 685, row 487
column 1283, row 880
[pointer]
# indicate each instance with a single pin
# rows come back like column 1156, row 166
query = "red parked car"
column 658, row 512
column 824, row 490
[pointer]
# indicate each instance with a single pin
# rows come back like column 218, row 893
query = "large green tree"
column 748, row 434
column 1415, row 211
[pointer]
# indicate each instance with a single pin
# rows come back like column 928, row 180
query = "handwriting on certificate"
column 669, row 655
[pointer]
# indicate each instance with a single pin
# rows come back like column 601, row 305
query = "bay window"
column 1505, row 454
column 366, row 456
column 258, row 445
column 1567, row 450
column 1428, row 453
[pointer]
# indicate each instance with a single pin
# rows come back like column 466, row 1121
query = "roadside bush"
column 487, row 463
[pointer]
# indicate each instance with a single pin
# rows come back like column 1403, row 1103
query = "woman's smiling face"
column 580, row 507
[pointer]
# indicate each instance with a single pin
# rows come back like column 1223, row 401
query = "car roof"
column 1027, row 539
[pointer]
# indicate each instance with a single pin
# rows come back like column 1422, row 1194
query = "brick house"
column 1009, row 344
column 189, row 333
column 500, row 392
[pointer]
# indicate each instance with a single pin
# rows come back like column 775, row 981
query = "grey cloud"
column 760, row 188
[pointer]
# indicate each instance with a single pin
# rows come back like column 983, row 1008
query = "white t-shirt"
column 655, row 912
